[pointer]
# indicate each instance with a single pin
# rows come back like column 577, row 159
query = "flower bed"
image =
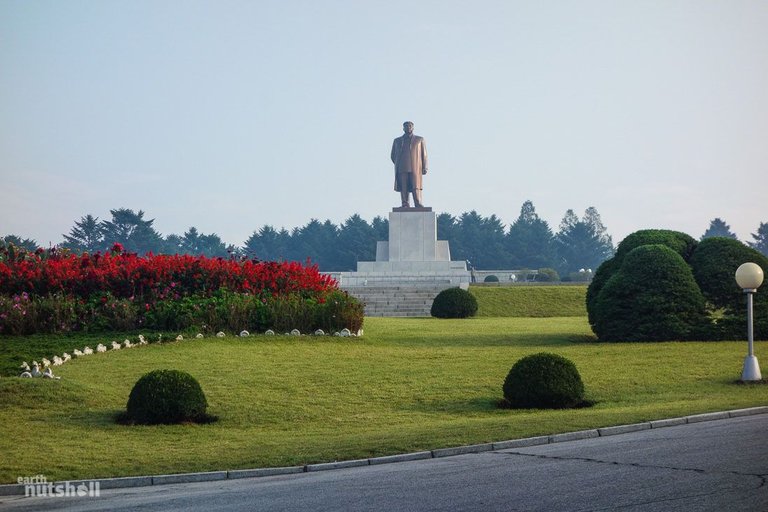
column 55, row 291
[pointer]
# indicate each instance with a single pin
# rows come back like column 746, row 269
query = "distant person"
column 409, row 154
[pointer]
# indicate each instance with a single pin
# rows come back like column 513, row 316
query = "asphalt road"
column 712, row 466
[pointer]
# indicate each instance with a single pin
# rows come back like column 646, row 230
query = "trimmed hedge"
column 222, row 311
column 166, row 397
column 681, row 243
column 653, row 297
column 454, row 303
column 714, row 266
column 543, row 381
column 657, row 301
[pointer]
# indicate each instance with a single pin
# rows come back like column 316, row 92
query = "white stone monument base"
column 406, row 273
column 412, row 256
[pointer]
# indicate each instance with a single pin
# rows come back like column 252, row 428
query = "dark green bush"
column 713, row 263
column 681, row 243
column 454, row 303
column 714, row 267
column 339, row 310
column 166, row 396
column 652, row 297
column 603, row 273
column 543, row 381
column 491, row 279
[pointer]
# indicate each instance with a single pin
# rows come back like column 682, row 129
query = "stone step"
column 397, row 300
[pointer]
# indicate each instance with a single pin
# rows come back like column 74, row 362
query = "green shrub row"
column 224, row 311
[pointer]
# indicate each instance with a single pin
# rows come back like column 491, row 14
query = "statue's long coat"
column 418, row 159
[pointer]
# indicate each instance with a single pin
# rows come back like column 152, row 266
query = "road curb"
column 461, row 450
column 623, row 429
column 144, row 481
column 574, row 436
column 337, row 465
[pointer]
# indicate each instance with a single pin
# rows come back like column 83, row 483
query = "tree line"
column 528, row 243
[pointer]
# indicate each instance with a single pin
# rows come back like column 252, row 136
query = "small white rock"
column 179, row 338
column 295, row 332
column 319, row 332
column 48, row 374
column 199, row 335
column 101, row 347
column 269, row 332
column 87, row 351
column 220, row 334
column 345, row 332
column 244, row 334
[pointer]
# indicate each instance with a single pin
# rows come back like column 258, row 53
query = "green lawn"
column 531, row 301
column 407, row 385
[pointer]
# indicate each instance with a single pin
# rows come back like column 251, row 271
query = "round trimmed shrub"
column 166, row 396
column 681, row 243
column 491, row 279
column 544, row 381
column 652, row 297
column 454, row 303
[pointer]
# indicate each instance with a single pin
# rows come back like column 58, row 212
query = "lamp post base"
column 751, row 371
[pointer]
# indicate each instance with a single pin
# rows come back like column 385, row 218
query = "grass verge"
column 408, row 385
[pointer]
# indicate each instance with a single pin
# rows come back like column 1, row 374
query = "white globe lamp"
column 749, row 277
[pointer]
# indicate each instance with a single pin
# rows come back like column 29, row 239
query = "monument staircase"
column 398, row 299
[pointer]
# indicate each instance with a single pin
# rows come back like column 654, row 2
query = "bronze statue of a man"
column 409, row 154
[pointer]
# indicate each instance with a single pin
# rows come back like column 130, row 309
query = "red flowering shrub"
column 120, row 290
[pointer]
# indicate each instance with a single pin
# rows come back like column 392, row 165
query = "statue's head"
column 408, row 127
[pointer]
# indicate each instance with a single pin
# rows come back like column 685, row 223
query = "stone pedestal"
column 413, row 237
column 413, row 255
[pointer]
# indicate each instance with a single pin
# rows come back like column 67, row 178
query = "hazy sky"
column 228, row 115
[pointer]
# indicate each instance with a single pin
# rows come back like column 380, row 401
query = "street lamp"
column 749, row 277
